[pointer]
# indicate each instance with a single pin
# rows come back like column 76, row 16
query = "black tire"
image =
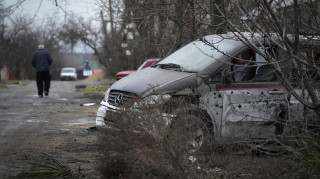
column 198, row 132
column 192, row 132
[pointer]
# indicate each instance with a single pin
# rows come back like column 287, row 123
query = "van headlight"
column 152, row 100
column 106, row 96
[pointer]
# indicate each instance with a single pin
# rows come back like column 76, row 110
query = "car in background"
column 146, row 64
column 68, row 74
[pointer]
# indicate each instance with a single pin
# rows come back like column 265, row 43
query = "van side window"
column 243, row 66
column 264, row 71
column 251, row 66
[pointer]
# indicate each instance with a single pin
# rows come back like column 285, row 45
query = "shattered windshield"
column 197, row 55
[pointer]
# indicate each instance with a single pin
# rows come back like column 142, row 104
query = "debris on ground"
column 88, row 104
column 78, row 87
column 93, row 128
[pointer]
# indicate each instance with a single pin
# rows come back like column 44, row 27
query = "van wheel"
column 191, row 132
column 197, row 133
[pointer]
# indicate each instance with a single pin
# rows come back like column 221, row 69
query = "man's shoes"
column 40, row 96
column 46, row 93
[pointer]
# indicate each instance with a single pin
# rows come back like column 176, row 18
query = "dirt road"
column 56, row 126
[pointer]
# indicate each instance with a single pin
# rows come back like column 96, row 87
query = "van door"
column 251, row 104
column 298, row 113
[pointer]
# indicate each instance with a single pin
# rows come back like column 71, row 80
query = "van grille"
column 118, row 98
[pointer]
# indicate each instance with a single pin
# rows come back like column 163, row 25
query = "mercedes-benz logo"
column 118, row 98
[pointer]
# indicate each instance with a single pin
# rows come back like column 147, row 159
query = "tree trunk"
column 111, row 19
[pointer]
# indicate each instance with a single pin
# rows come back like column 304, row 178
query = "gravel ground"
column 34, row 129
column 57, row 129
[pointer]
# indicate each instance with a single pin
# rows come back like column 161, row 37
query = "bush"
column 143, row 144
column 306, row 159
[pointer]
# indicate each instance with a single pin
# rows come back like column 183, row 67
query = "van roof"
column 256, row 36
column 255, row 39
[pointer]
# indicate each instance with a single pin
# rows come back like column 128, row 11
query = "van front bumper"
column 102, row 112
column 105, row 111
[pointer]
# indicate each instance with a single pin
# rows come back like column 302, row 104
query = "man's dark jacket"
column 41, row 60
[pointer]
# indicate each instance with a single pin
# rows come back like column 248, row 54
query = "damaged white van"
column 222, row 77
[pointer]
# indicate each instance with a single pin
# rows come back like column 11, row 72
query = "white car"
column 68, row 74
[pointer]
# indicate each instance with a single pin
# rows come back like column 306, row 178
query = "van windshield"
column 68, row 71
column 197, row 55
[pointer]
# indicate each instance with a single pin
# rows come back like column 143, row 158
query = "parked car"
column 238, row 93
column 68, row 74
column 145, row 64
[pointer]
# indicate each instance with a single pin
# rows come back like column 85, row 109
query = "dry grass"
column 96, row 76
column 49, row 167
column 140, row 144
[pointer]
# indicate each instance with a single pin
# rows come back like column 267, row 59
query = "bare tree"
column 3, row 40
column 167, row 25
column 13, row 51
column 283, row 24
column 20, row 40
column 69, row 34
column 132, row 31
column 116, row 43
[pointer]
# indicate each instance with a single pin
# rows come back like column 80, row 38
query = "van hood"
column 155, row 81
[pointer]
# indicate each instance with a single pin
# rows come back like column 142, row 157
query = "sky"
column 41, row 10
column 47, row 8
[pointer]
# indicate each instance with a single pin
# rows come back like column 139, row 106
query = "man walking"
column 42, row 60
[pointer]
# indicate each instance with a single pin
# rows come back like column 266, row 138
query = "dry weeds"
column 140, row 144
